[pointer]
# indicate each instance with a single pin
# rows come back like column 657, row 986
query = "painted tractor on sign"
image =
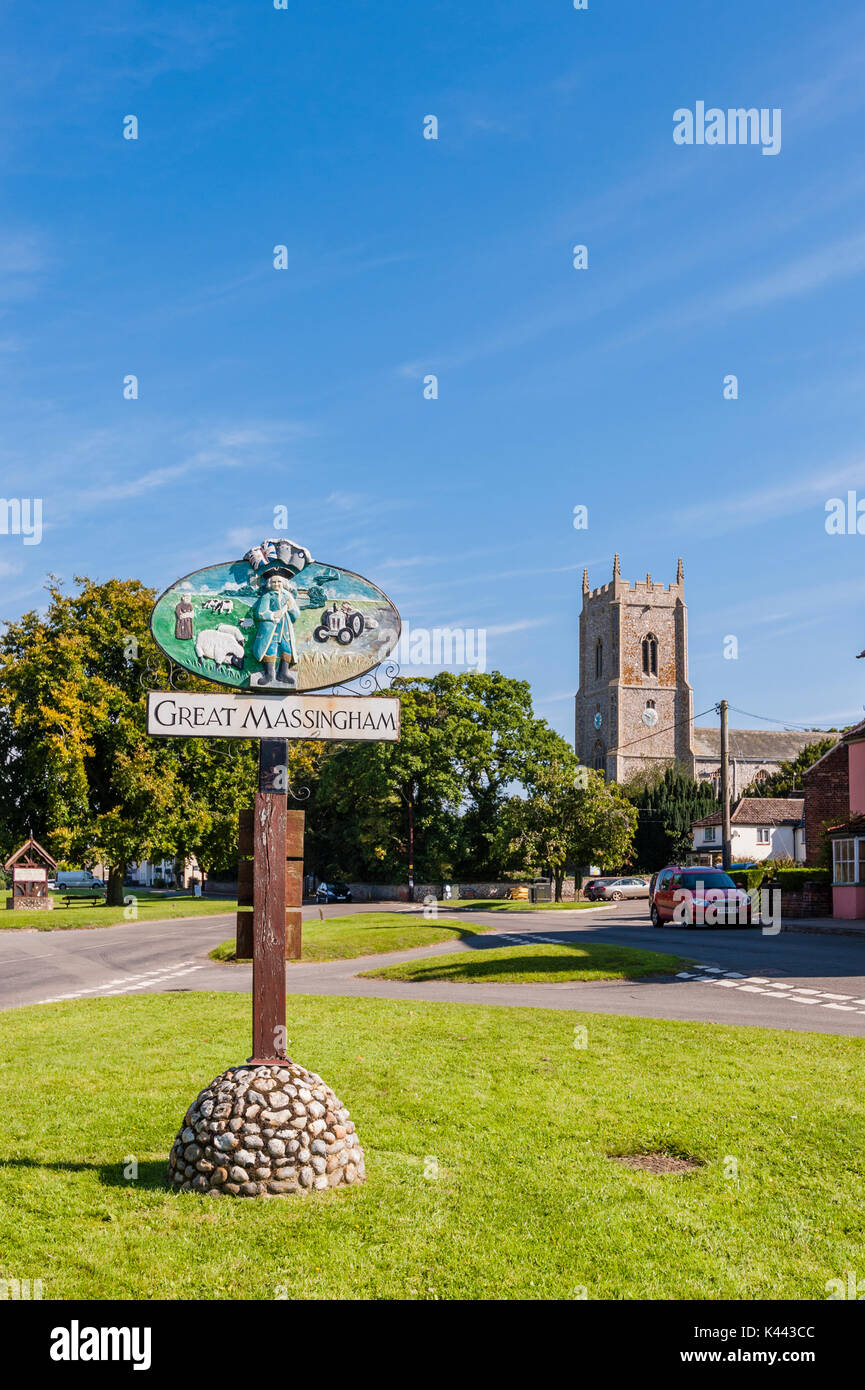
column 343, row 623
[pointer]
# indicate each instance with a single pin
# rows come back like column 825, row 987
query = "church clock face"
column 598, row 720
column 650, row 718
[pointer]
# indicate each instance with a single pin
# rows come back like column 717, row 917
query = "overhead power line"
column 787, row 723
column 688, row 720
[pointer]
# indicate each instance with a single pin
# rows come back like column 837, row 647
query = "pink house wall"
column 856, row 755
column 848, row 900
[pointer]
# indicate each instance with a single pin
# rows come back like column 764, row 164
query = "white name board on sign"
column 29, row 875
column 337, row 717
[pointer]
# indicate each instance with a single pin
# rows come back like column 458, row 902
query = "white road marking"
column 131, row 983
column 777, row 989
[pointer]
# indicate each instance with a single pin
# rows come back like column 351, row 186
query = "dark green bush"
column 749, row 879
column 802, row 874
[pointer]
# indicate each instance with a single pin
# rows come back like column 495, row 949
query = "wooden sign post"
column 282, row 639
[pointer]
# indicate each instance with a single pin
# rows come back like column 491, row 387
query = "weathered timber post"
column 268, row 911
column 271, row 1126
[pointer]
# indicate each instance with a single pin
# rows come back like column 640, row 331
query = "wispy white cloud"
column 502, row 629
column 762, row 504
column 157, row 478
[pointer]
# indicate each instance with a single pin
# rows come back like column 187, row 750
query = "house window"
column 650, row 655
column 708, row 834
column 762, row 835
column 599, row 659
column 844, row 861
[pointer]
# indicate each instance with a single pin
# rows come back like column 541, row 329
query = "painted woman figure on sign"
column 183, row 616
column 275, row 613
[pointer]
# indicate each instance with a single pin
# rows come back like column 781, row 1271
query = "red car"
column 701, row 897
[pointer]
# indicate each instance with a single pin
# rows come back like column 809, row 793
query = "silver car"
column 614, row 889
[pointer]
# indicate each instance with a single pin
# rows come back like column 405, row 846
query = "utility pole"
column 726, row 837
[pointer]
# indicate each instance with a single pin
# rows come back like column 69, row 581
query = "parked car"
column 683, row 895
column 612, row 890
column 78, row 883
column 333, row 893
column 592, row 887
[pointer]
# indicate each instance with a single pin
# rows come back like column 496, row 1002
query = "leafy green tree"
column 571, row 817
column 374, row 799
column 497, row 741
column 79, row 770
column 788, row 778
column 467, row 741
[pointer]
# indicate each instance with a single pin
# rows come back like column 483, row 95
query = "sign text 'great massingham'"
column 288, row 716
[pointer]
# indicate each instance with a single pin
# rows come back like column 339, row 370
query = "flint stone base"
column 265, row 1131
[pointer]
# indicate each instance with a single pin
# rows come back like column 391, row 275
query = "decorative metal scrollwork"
column 152, row 676
column 367, row 684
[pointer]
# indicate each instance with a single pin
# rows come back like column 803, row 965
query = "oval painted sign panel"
column 276, row 620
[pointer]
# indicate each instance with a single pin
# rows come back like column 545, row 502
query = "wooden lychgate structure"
column 29, row 867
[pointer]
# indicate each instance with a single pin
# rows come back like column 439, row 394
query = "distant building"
column 762, row 827
column 634, row 705
column 754, row 754
column 168, row 873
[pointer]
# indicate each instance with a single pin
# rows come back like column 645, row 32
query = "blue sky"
column 303, row 387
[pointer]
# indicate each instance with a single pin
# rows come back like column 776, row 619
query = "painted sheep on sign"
column 224, row 645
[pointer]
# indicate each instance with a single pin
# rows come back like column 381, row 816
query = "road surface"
column 799, row 981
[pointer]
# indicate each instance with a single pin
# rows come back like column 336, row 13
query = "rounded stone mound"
column 264, row 1131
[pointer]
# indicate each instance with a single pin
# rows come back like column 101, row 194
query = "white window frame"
column 847, row 857
column 764, row 835
column 709, row 834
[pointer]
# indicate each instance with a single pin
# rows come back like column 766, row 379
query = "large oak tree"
column 79, row 770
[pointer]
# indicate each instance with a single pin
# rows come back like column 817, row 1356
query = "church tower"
column 634, row 705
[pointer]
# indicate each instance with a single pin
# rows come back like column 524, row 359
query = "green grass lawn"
column 487, row 1134
column 532, row 965
column 365, row 934
column 148, row 907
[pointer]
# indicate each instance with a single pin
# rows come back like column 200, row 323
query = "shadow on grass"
column 151, row 1172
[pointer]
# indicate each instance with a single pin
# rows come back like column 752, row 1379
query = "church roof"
column 757, row 745
column 761, row 810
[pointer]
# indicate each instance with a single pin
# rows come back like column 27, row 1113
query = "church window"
column 599, row 659
column 599, row 757
column 650, row 655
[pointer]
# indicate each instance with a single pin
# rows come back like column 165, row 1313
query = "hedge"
column 802, row 874
column 792, row 879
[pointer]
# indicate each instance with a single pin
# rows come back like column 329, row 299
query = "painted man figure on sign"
column 275, row 614
column 184, row 614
